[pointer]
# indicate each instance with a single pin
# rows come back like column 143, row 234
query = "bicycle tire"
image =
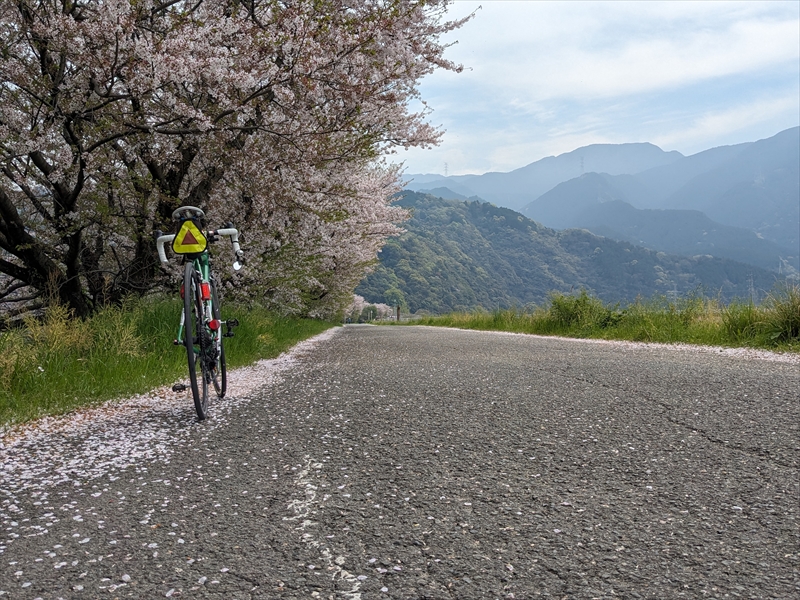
column 192, row 333
column 220, row 378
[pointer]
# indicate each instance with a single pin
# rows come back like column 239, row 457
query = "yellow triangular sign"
column 189, row 239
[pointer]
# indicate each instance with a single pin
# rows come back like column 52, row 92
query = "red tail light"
column 205, row 291
column 214, row 324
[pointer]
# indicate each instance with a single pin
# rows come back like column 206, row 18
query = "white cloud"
column 543, row 51
column 548, row 77
column 738, row 123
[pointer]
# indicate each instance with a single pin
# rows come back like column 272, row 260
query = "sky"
column 544, row 78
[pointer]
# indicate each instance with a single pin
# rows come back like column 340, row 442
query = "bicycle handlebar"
column 233, row 233
column 230, row 232
column 160, row 241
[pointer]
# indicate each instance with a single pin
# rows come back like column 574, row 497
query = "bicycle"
column 200, row 329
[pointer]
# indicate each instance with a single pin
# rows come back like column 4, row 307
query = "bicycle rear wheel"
column 220, row 374
column 193, row 332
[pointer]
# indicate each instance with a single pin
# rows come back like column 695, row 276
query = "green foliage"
column 742, row 320
column 783, row 313
column 581, row 311
column 776, row 321
column 395, row 297
column 58, row 363
column 692, row 318
column 460, row 256
column 368, row 314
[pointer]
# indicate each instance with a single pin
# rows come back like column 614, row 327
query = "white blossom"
column 274, row 116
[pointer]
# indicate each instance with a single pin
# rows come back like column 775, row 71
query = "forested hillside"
column 461, row 255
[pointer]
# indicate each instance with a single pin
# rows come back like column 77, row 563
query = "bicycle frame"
column 202, row 264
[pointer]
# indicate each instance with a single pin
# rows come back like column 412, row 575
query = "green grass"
column 693, row 319
column 57, row 364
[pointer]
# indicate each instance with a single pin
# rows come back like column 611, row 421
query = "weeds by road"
column 58, row 363
column 774, row 324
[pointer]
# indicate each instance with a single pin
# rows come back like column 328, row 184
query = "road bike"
column 200, row 329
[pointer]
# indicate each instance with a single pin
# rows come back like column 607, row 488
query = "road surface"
column 414, row 462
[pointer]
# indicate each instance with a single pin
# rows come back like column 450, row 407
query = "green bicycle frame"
column 202, row 265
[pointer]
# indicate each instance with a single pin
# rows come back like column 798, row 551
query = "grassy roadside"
column 58, row 364
column 694, row 319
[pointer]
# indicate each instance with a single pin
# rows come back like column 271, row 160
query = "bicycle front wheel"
column 193, row 333
column 220, row 374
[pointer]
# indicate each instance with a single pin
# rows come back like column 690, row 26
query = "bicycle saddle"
column 185, row 213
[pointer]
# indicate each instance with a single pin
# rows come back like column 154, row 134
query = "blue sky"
column 543, row 78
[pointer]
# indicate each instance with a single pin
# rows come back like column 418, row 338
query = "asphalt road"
column 429, row 463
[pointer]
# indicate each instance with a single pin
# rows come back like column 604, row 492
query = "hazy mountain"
column 437, row 182
column 650, row 188
column 447, row 194
column 593, row 202
column 687, row 232
column 564, row 205
column 758, row 188
column 519, row 187
column 753, row 189
column 462, row 255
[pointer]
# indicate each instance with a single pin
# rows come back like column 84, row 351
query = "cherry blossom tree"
column 357, row 305
column 274, row 114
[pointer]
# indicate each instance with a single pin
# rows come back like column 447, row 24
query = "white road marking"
column 303, row 510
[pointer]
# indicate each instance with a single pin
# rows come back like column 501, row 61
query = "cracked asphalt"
column 415, row 462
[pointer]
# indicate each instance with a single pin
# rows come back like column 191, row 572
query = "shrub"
column 742, row 321
column 582, row 311
column 783, row 313
column 692, row 319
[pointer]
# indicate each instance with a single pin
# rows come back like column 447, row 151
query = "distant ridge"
column 447, row 194
column 517, row 188
column 740, row 201
column 593, row 202
column 460, row 255
column 748, row 194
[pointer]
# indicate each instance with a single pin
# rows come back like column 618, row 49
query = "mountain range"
column 462, row 255
column 740, row 202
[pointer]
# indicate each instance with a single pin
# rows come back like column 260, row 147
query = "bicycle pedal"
column 179, row 387
column 229, row 325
